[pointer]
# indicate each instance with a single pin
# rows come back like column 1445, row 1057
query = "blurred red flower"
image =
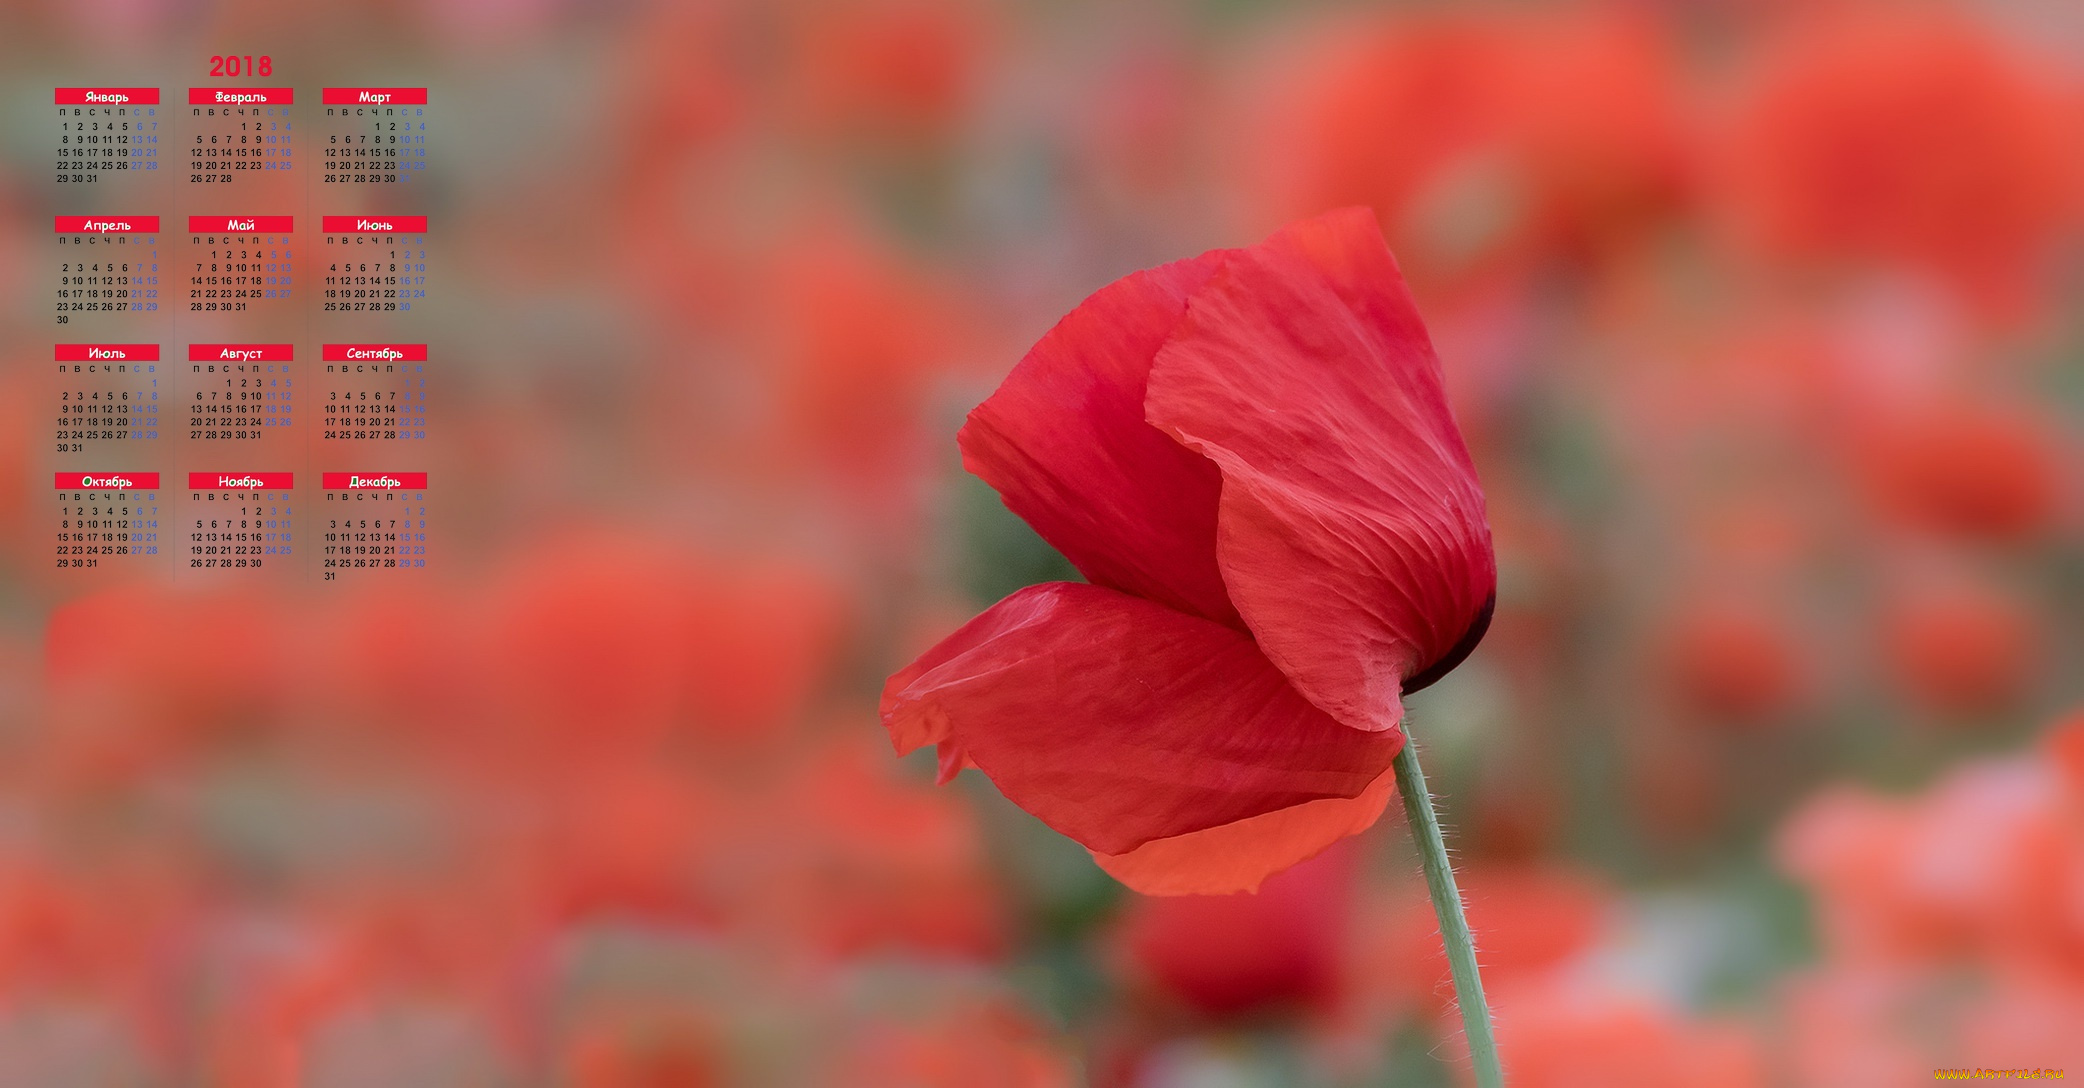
column 1960, row 649
column 853, row 332
column 1952, row 921
column 1528, row 919
column 644, row 1048
column 1678, row 786
column 1560, row 1036
column 15, row 462
column 848, row 858
column 901, row 71
column 1486, row 142
column 2066, row 749
column 144, row 675
column 1229, row 955
column 629, row 838
column 1983, row 865
column 1972, row 471
column 1924, row 139
column 1250, row 456
column 407, row 647
column 602, row 655
column 983, row 1040
column 1734, row 661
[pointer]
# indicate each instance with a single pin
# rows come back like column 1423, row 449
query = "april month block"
column 107, row 265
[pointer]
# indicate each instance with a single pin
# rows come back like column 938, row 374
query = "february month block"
column 238, row 520
column 374, row 521
column 240, row 263
column 107, row 267
column 239, row 392
column 106, row 396
column 106, row 131
column 375, row 393
column 236, row 133
column 107, row 519
column 373, row 264
column 373, row 135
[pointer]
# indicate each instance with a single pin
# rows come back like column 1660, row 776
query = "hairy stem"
column 1447, row 906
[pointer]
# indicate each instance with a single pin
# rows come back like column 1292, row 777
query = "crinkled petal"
column 1237, row 857
column 1065, row 443
column 1351, row 529
column 1117, row 720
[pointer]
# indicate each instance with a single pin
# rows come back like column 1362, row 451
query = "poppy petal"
column 1351, row 529
column 1065, row 444
column 1237, row 857
column 1117, row 720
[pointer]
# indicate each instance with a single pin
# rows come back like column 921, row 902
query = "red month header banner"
column 241, row 224
column 241, row 481
column 108, row 481
column 107, row 353
column 373, row 481
column 241, row 353
column 108, row 96
column 375, row 353
column 375, row 96
column 241, row 96
column 374, row 224
column 107, row 224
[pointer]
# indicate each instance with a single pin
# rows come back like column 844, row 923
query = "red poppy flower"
column 1488, row 145
column 1926, row 140
column 2065, row 746
column 1961, row 650
column 1566, row 1034
column 1981, row 472
column 1733, row 662
column 1251, row 458
column 1228, row 956
column 644, row 1048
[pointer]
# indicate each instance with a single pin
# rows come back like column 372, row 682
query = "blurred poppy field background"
column 1765, row 324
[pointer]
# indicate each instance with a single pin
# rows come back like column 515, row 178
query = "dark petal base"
column 1426, row 677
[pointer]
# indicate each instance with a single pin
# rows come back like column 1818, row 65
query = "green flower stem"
column 1447, row 906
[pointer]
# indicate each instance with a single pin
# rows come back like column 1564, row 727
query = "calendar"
column 375, row 393
column 240, row 391
column 245, row 314
column 236, row 132
column 107, row 519
column 104, row 132
column 374, row 264
column 106, row 396
column 240, row 262
column 375, row 521
column 107, row 267
column 374, row 135
column 239, row 520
